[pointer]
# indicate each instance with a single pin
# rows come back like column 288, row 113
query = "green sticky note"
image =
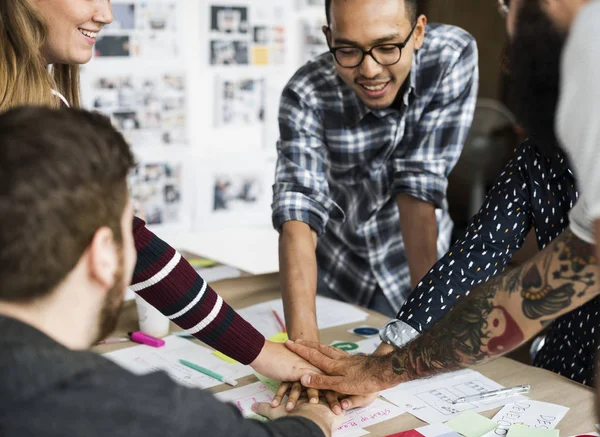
column 271, row 384
column 224, row 357
column 524, row 431
column 471, row 424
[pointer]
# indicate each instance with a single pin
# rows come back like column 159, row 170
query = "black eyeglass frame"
column 369, row 52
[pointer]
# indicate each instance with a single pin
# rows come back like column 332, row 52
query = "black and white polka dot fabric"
column 532, row 192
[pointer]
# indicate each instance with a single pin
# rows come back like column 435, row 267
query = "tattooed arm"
column 493, row 319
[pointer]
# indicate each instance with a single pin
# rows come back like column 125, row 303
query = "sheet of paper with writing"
column 431, row 399
column 144, row 359
column 330, row 313
column 378, row 411
column 529, row 413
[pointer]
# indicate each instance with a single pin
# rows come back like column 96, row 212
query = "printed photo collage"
column 253, row 34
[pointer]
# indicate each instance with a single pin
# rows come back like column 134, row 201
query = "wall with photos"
column 194, row 86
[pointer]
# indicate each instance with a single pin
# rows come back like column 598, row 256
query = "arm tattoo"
column 559, row 279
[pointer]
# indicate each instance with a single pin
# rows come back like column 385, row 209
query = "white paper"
column 354, row 421
column 330, row 313
column 245, row 397
column 431, row 399
column 218, row 273
column 437, row 430
column 376, row 412
column 532, row 414
column 146, row 359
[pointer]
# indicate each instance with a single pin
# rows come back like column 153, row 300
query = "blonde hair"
column 24, row 76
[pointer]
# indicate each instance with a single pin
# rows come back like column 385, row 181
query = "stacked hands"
column 319, row 376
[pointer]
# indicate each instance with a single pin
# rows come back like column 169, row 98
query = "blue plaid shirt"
column 341, row 165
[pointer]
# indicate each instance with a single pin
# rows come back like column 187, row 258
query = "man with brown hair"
column 66, row 257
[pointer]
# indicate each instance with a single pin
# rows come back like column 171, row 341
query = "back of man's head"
column 412, row 9
column 63, row 177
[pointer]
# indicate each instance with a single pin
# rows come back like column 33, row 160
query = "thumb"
column 322, row 382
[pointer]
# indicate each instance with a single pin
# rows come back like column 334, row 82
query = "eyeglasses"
column 383, row 54
column 504, row 7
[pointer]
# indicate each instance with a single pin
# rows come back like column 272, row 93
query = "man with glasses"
column 369, row 134
column 561, row 281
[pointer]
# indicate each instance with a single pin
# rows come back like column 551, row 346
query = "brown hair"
column 24, row 75
column 63, row 177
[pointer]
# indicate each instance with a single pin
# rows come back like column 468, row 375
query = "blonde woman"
column 42, row 44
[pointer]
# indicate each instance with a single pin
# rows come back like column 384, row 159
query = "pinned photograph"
column 224, row 52
column 240, row 102
column 124, row 16
column 236, row 192
column 229, row 19
column 112, row 45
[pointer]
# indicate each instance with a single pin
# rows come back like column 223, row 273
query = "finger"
column 295, row 393
column 328, row 351
column 313, row 396
column 357, row 401
column 280, row 393
column 265, row 409
column 313, row 356
column 324, row 382
column 333, row 401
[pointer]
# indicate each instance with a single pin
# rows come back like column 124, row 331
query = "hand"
column 277, row 362
column 350, row 374
column 320, row 414
column 295, row 390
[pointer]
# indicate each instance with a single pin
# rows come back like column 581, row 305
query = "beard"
column 535, row 55
column 112, row 303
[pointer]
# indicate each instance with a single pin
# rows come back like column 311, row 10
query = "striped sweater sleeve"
column 168, row 282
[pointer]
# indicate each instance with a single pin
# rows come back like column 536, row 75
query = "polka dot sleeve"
column 494, row 234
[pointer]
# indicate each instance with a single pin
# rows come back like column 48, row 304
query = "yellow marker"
column 282, row 337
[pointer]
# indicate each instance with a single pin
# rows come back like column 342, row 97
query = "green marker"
column 208, row 372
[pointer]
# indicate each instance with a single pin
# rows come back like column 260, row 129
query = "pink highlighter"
column 143, row 338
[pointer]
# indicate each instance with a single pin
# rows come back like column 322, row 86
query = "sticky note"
column 201, row 262
column 411, row 433
column 471, row 424
column 271, row 384
column 224, row 357
column 523, row 431
column 282, row 337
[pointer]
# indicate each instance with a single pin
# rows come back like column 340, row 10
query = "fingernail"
column 289, row 406
column 337, row 409
column 299, row 340
column 345, row 405
column 254, row 407
column 313, row 401
column 274, row 403
column 306, row 380
column 290, row 341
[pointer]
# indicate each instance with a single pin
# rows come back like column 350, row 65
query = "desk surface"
column 545, row 386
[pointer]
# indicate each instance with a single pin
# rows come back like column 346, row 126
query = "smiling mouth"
column 88, row 33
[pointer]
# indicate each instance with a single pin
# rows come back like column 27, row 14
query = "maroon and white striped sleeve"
column 168, row 282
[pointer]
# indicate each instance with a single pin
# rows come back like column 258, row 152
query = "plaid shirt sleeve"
column 301, row 190
column 422, row 170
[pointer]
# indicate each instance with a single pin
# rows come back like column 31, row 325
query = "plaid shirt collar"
column 358, row 110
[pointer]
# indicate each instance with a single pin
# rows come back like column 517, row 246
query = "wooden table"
column 545, row 386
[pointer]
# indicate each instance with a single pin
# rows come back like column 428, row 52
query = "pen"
column 208, row 372
column 510, row 391
column 112, row 340
column 279, row 320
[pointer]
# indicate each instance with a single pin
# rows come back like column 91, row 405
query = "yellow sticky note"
column 282, row 337
column 224, row 357
column 524, row 431
column 202, row 262
column 471, row 424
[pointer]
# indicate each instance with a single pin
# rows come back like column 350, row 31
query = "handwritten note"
column 330, row 313
column 528, row 413
column 245, row 397
column 523, row 431
column 376, row 412
column 431, row 399
column 145, row 359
